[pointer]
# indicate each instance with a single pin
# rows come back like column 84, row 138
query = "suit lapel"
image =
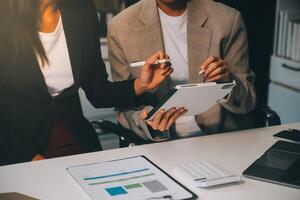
column 198, row 39
column 150, row 34
column 150, row 30
column 73, row 36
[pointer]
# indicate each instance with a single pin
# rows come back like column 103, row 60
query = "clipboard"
column 196, row 98
column 130, row 178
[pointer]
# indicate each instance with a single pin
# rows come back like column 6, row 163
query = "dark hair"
column 20, row 28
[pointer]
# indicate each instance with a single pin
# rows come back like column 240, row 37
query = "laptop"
column 280, row 164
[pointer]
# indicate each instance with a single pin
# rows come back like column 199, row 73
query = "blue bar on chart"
column 114, row 191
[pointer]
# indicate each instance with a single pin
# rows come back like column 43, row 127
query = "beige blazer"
column 212, row 29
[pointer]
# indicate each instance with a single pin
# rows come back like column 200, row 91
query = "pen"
column 162, row 197
column 201, row 72
column 142, row 63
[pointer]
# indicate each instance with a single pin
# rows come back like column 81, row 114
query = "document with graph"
column 134, row 178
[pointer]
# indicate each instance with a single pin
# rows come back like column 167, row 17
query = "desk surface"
column 235, row 151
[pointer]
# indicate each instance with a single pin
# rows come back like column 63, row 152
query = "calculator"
column 204, row 174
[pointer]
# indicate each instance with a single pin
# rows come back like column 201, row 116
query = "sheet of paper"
column 127, row 179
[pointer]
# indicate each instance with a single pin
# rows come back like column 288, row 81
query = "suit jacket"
column 26, row 108
column 212, row 29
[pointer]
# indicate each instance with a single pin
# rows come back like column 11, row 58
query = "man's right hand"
column 163, row 119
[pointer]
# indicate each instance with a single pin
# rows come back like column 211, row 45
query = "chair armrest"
column 127, row 137
column 269, row 116
column 264, row 116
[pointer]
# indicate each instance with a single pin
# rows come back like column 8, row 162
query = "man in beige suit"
column 197, row 35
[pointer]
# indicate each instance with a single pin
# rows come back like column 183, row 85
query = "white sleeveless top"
column 57, row 73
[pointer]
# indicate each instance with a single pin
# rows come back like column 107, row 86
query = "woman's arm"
column 103, row 93
column 13, row 149
column 38, row 157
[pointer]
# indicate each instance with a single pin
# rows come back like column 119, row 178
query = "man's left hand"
column 215, row 69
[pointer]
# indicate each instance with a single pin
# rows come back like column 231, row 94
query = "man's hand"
column 215, row 69
column 152, row 74
column 164, row 119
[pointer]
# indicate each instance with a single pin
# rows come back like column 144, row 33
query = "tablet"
column 280, row 164
column 128, row 178
column 196, row 98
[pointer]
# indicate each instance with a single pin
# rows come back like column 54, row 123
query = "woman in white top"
column 49, row 49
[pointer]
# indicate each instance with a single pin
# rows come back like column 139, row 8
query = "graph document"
column 135, row 178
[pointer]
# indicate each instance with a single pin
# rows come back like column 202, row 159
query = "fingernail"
column 201, row 72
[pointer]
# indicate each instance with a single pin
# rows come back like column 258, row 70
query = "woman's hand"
column 38, row 157
column 215, row 69
column 163, row 120
column 152, row 75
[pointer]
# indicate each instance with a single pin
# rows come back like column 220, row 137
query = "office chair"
column 127, row 138
column 262, row 117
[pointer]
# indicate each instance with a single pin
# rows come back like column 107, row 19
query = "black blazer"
column 26, row 108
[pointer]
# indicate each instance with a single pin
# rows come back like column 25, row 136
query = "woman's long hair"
column 19, row 28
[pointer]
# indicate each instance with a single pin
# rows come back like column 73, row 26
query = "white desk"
column 235, row 151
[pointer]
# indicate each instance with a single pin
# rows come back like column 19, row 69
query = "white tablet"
column 196, row 98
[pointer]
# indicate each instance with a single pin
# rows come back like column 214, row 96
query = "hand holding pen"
column 215, row 69
column 157, row 62
column 155, row 70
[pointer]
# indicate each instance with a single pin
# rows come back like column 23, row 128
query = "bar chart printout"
column 132, row 178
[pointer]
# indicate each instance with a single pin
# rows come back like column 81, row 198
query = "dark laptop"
column 280, row 164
